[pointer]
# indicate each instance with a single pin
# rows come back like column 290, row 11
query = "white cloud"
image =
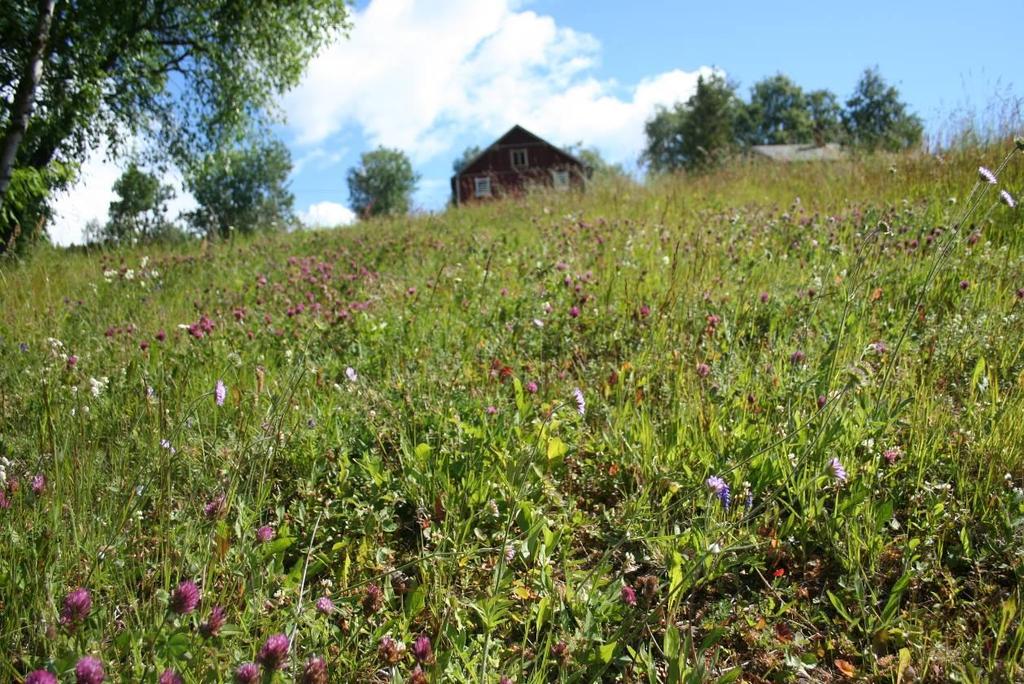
column 418, row 75
column 327, row 215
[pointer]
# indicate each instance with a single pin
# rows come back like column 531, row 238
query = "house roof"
column 510, row 132
column 803, row 152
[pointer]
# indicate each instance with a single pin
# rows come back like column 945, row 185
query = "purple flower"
column 265, row 534
column 892, row 455
column 373, row 599
column 390, row 650
column 220, row 393
column 719, row 488
column 40, row 677
column 838, row 471
column 315, row 671
column 531, row 387
column 986, row 176
column 764, row 297
column 169, row 676
column 422, row 649
column 214, row 508
column 274, row 653
column 491, row 410
column 72, row 361
column 581, row 404
column 247, row 673
column 351, row 374
column 574, row 312
column 417, row 676
column 797, row 357
column 1007, row 199
column 628, row 595
column 184, row 598
column 89, row 670
column 703, row 370
column 822, row 401
column 324, row 605
column 77, row 605
column 214, row 623
column 38, row 484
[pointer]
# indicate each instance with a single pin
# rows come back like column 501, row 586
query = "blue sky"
column 434, row 76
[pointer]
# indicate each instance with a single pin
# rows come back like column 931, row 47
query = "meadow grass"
column 795, row 452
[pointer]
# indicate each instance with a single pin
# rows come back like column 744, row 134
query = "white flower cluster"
column 4, row 465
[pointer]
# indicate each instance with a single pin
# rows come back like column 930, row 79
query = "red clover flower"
column 274, row 653
column 89, row 670
column 184, row 598
column 76, row 608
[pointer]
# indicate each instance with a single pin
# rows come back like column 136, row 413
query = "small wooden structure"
column 515, row 162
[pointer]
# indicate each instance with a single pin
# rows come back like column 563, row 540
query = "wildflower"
column 40, row 677
column 574, row 312
column 160, row 335
column 779, row 572
column 878, row 347
column 274, row 653
column 422, row 649
column 324, row 605
column 390, row 651
column 964, row 284
column 822, row 401
column 649, row 586
column 531, row 387
column 169, row 676
column 491, row 410
column 220, row 393
column 892, row 455
column 645, row 311
column 560, row 652
column 373, row 600
column 214, row 508
column 214, row 623
column 166, row 444
column 764, row 297
column 504, row 680
column 315, row 671
column 351, row 374
column 986, row 176
column 400, row 583
column 838, row 471
column 417, row 676
column 538, row 323
column 89, row 670
column 797, row 357
column 581, row 404
column 628, row 595
column 1007, row 199
column 77, row 605
column 38, row 484
column 720, row 489
column 247, row 673
column 72, row 361
column 5, row 503
column 184, row 598
column 703, row 370
column 265, row 534
column 144, row 345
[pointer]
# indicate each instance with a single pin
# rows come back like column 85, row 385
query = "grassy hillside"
column 763, row 425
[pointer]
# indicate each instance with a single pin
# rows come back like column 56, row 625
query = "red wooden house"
column 515, row 162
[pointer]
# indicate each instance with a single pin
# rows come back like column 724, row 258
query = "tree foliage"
column 191, row 73
column 777, row 113
column 876, row 118
column 696, row 134
column 243, row 188
column 140, row 211
column 382, row 184
column 467, row 156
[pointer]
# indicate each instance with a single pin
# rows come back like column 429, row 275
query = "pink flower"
column 184, row 598
column 628, row 595
column 531, row 387
column 169, row 676
column 220, row 393
column 214, row 623
column 40, row 677
column 274, row 653
column 77, row 605
column 265, row 534
column 574, row 312
column 89, row 670
column 38, row 484
column 491, row 410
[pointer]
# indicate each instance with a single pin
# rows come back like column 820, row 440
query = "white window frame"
column 526, row 158
column 482, row 186
column 560, row 179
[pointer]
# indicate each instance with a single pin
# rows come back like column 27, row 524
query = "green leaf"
column 556, row 448
column 607, row 651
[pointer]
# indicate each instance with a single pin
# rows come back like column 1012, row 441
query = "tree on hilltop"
column 382, row 184
column 697, row 134
column 876, row 118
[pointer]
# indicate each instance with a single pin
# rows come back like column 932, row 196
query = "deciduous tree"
column 382, row 184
